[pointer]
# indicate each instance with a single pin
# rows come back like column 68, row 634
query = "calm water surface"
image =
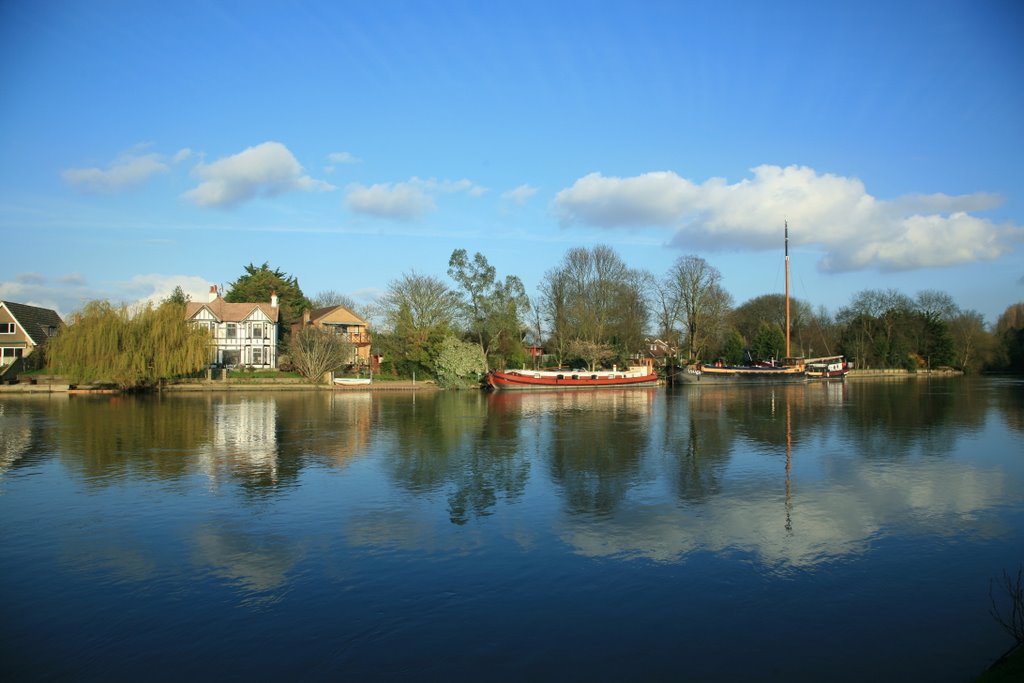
column 827, row 532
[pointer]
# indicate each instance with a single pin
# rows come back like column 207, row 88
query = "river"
column 841, row 532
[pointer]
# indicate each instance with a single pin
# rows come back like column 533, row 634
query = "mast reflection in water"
column 696, row 533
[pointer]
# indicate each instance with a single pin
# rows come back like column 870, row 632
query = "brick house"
column 342, row 322
column 659, row 351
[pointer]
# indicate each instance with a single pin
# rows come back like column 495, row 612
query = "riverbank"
column 293, row 385
column 57, row 386
column 894, row 373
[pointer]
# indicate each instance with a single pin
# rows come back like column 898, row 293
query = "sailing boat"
column 792, row 370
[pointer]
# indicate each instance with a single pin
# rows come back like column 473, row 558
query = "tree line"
column 591, row 309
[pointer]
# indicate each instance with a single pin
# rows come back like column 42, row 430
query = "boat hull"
column 827, row 374
column 739, row 375
column 834, row 369
column 546, row 381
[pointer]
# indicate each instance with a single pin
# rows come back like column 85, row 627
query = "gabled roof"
column 228, row 312
column 34, row 320
column 338, row 314
column 657, row 348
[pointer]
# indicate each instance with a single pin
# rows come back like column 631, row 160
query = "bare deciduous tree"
column 593, row 297
column 592, row 353
column 701, row 302
column 425, row 300
column 1012, row 620
column 330, row 297
column 314, row 352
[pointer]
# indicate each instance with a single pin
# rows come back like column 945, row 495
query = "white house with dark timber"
column 244, row 334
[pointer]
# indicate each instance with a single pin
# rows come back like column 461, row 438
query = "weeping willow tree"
column 131, row 348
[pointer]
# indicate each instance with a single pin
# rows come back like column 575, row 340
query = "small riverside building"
column 344, row 323
column 25, row 328
column 659, row 351
column 244, row 334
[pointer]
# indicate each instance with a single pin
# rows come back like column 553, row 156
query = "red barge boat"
column 525, row 380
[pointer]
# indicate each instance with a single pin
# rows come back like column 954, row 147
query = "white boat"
column 833, row 367
column 352, row 381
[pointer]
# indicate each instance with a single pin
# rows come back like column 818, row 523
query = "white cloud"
column 31, row 278
column 71, row 292
column 65, row 295
column 658, row 198
column 182, row 154
column 519, row 195
column 368, row 294
column 268, row 169
column 404, row 201
column 398, row 201
column 155, row 287
column 832, row 213
column 127, row 171
column 343, row 158
column 73, row 279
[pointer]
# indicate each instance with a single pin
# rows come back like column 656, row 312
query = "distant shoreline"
column 56, row 386
column 214, row 386
column 899, row 373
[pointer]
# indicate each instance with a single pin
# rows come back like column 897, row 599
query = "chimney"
column 213, row 293
column 273, row 298
column 305, row 317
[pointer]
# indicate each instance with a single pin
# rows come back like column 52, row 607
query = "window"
column 257, row 333
column 257, row 355
column 232, row 331
column 6, row 328
column 13, row 352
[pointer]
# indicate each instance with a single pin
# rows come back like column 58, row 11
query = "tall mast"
column 788, row 354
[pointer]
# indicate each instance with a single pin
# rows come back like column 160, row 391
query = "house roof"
column 228, row 312
column 656, row 348
column 34, row 320
column 337, row 314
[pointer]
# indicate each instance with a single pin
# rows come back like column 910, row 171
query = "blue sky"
column 146, row 145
